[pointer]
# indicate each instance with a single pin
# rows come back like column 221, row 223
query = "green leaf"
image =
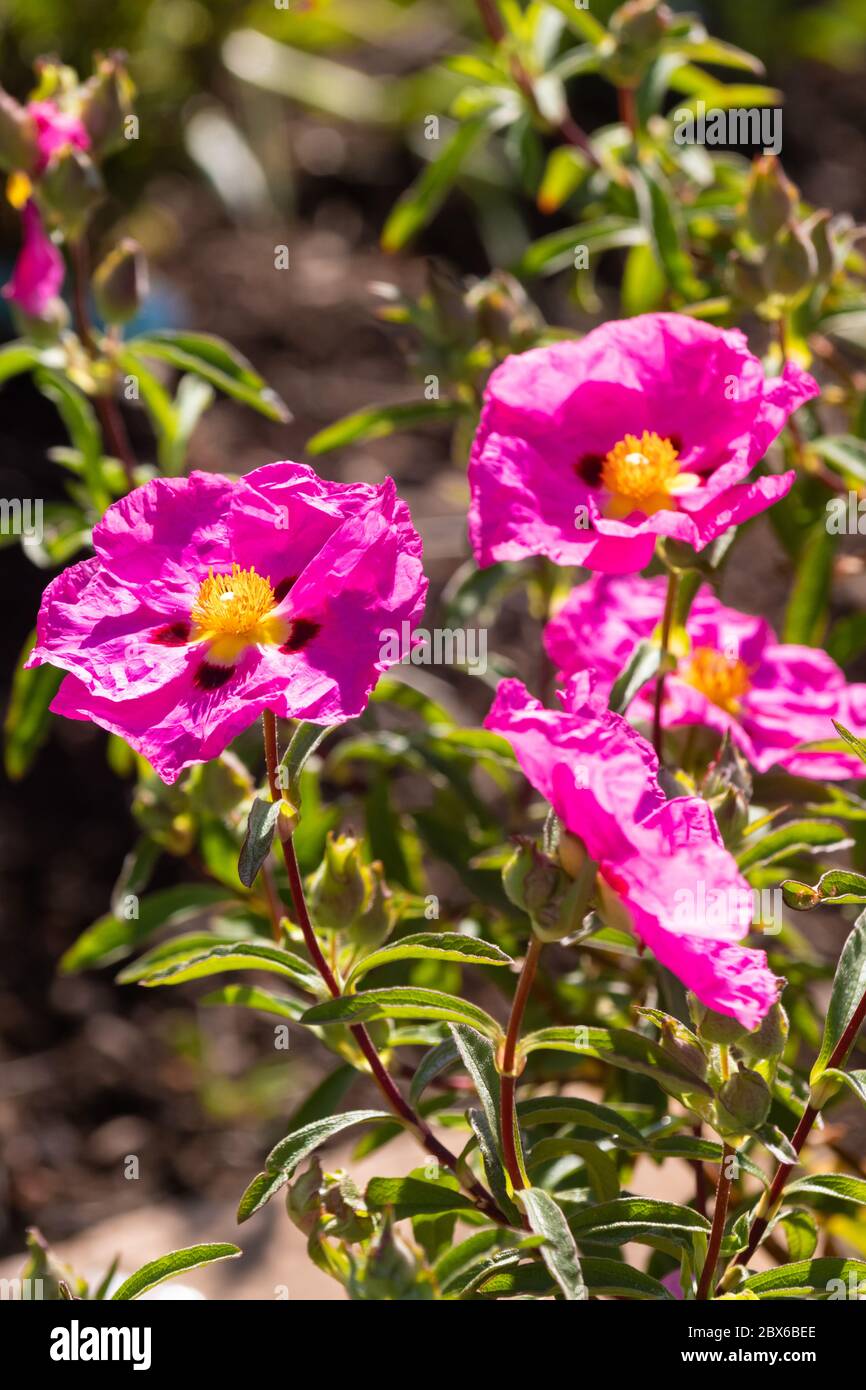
column 379, row 421
column 844, row 453
column 494, row 1169
column 642, row 666
column 567, row 169
column 438, row 1060
column 468, row 950
column 806, row 614
column 283, row 1160
column 807, row 1277
column 621, row 1048
column 854, row 1080
column 15, row 358
column 858, row 744
column 479, row 1059
column 849, row 986
column 216, row 362
column 415, row 1197
column 846, row 639
column 323, row 1100
column 464, row 1256
column 639, row 1219
column 718, row 53
column 795, row 837
column 83, row 428
column 600, row 1167
column 238, row 955
column 822, row 1189
column 252, row 997
column 556, row 251
column 581, row 21
column 112, row 936
column 302, row 745
column 169, row 1266
column 422, row 200
column 664, row 228
column 28, row 719
column 837, row 886
column 259, row 837
column 402, row 1002
column 800, row 1232
column 559, row 1251
column 574, row 1110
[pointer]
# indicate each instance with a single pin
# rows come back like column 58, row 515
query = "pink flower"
column 588, row 451
column 211, row 599
column 663, row 871
column 732, row 673
column 55, row 129
column 39, row 270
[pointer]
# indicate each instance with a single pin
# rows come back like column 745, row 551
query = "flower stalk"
column 511, row 1153
column 401, row 1108
column 720, row 1212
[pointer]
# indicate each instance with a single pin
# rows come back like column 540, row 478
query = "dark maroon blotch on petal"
column 588, row 469
column 209, row 677
column 171, row 634
column 302, row 632
column 284, row 587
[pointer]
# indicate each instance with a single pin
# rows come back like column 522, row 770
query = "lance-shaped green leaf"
column 253, row 997
column 17, row 357
column 285, row 1157
column 415, row 1197
column 844, row 453
column 642, row 666
column 849, row 987
column 28, row 719
column 238, row 955
column 797, row 837
column 467, row 950
column 176, row 948
column 700, row 1150
column 854, row 1080
column 810, row 1278
column 434, row 1063
column 261, row 824
column 806, row 615
column 169, row 1266
column 621, row 1047
column 302, row 745
column 114, row 936
column 402, row 1002
column 379, row 421
column 574, row 1110
column 827, row 1190
column 559, row 1251
column 801, row 1233
column 610, row 1278
column 837, row 887
column 422, row 200
column 487, row 1139
column 858, row 744
column 600, row 1167
column 661, row 218
column 217, row 362
column 637, row 1218
column 556, row 250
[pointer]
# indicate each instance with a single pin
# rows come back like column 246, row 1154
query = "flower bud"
column 745, row 280
column 106, row 101
column 744, row 1100
column 338, row 888
column 378, row 919
column 304, row 1201
column 790, row 265
column 18, row 148
column 392, row 1270
column 530, row 878
column 636, row 28
column 678, row 1042
column 70, row 188
column 120, row 282
column 772, row 199
column 713, row 1027
column 769, row 1038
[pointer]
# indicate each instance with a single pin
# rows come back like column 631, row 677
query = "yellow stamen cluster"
column 234, row 611
column 643, row 475
column 723, row 679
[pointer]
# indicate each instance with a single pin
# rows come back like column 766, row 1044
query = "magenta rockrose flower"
column 663, row 871
column 211, row 599
column 588, row 451
column 55, row 130
column 732, row 673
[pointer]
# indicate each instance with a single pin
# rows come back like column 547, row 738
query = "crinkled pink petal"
column 682, row 889
column 549, row 409
column 37, row 278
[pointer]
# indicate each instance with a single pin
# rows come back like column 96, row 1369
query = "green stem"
column 110, row 418
column 379, row 1071
column 667, row 624
column 508, row 1079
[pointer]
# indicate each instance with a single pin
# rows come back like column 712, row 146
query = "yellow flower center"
column 723, row 679
column 643, row 475
column 234, row 611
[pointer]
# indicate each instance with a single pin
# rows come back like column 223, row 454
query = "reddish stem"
column 720, row 1212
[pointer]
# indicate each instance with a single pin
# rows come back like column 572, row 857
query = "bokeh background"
column 263, row 127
